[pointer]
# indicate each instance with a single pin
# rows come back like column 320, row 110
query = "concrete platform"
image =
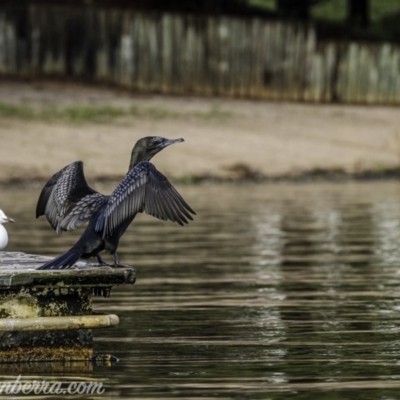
column 47, row 315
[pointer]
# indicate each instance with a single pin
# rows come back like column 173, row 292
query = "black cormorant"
column 68, row 202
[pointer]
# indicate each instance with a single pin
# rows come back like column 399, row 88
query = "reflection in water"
column 387, row 231
column 275, row 291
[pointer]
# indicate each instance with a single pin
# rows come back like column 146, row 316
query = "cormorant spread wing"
column 62, row 193
column 143, row 189
column 84, row 209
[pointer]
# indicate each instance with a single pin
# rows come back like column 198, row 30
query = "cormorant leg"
column 101, row 261
column 118, row 263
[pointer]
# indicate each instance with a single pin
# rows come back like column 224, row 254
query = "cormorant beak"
column 168, row 142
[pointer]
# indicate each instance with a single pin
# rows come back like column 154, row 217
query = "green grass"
column 331, row 10
column 101, row 114
column 90, row 114
column 335, row 10
column 16, row 110
column 267, row 4
column 215, row 112
column 153, row 112
column 384, row 14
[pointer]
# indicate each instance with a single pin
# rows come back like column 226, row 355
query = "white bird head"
column 4, row 218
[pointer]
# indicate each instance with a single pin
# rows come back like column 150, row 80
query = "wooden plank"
column 319, row 77
column 396, row 84
column 11, row 47
column 363, row 74
column 199, row 49
column 211, row 56
column 102, row 47
column 145, row 34
column 189, row 55
column 154, row 50
column 46, row 38
column 276, row 61
column 60, row 53
column 248, row 58
column 127, row 62
column 341, row 86
column 233, row 59
column 257, row 43
column 352, row 71
column 223, row 56
column 280, row 72
column 76, row 43
column 330, row 59
column 167, row 50
column 296, row 62
column 144, row 53
column 177, row 55
column 114, row 47
column 3, row 46
column 52, row 41
column 384, row 73
column 309, row 56
column 242, row 57
column 135, row 58
column 36, row 40
column 273, row 60
column 373, row 76
column 21, row 19
column 266, row 65
column 301, row 62
column 393, row 76
column 288, row 67
column 115, row 55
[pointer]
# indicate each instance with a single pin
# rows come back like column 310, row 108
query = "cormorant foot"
column 102, row 262
column 121, row 266
column 118, row 264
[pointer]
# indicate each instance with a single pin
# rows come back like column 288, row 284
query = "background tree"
column 298, row 9
column 358, row 13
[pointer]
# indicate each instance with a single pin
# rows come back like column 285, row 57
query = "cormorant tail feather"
column 66, row 260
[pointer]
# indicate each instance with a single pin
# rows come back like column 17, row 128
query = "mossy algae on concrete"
column 26, row 293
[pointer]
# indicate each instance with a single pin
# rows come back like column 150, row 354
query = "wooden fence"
column 171, row 53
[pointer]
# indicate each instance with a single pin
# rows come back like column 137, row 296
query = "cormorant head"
column 146, row 148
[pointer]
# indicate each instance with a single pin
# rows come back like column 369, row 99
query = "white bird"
column 3, row 232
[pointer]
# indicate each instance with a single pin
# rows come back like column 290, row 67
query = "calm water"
column 274, row 292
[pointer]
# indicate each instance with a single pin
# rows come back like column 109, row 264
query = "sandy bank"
column 273, row 138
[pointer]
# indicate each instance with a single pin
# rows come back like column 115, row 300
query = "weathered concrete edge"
column 20, row 269
column 90, row 276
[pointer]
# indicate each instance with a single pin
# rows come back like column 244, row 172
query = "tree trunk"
column 299, row 9
column 358, row 13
